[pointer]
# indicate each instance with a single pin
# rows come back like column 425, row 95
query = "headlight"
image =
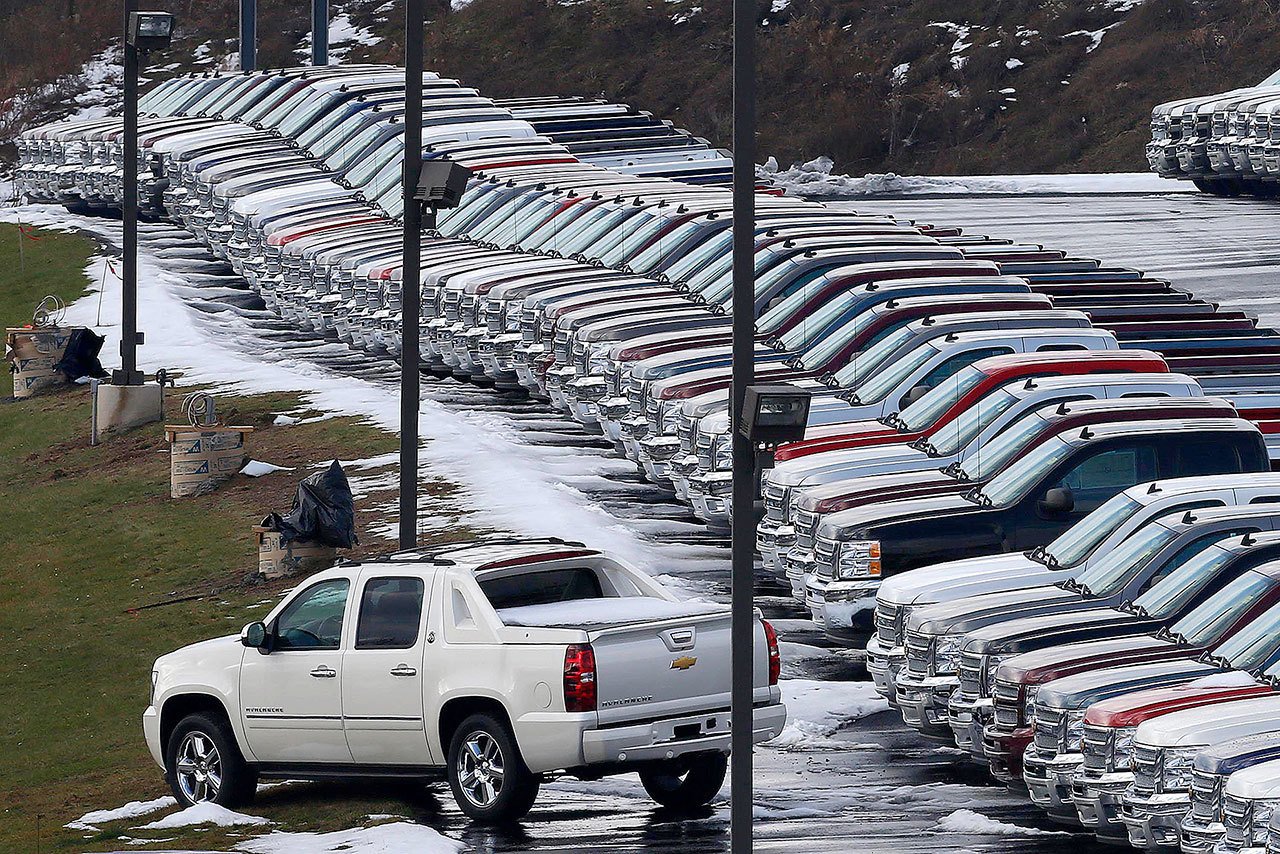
column 1122, row 749
column 946, row 654
column 1262, row 810
column 723, row 456
column 1075, row 730
column 155, row 677
column 1029, row 704
column 859, row 559
column 1176, row 776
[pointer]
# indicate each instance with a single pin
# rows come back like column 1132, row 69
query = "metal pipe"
column 248, row 35
column 319, row 32
column 742, row 546
column 128, row 374
column 411, row 281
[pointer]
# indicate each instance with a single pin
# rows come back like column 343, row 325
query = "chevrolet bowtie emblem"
column 684, row 663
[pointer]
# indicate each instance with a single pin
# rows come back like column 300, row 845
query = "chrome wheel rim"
column 480, row 769
column 199, row 768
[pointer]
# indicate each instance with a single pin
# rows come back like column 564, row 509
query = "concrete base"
column 119, row 407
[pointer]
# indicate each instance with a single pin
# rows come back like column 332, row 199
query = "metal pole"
column 128, row 374
column 410, row 283
column 743, row 545
column 319, row 32
column 248, row 35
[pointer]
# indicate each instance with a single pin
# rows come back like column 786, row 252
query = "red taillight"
column 775, row 657
column 579, row 678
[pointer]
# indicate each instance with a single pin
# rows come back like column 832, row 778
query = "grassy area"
column 103, row 572
column 53, row 263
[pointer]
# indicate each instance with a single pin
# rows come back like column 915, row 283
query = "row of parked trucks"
column 1227, row 143
column 1035, row 487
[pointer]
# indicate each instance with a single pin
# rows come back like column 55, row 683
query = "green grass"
column 30, row 269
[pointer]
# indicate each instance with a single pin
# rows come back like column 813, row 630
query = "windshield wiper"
column 1068, row 584
column 977, row 497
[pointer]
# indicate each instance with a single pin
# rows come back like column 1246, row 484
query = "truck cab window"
column 542, row 588
column 314, row 619
column 1102, row 475
column 1197, row 458
column 390, row 613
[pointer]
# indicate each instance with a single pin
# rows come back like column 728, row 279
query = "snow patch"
column 1230, row 679
column 379, row 839
column 133, row 809
column 968, row 821
column 286, row 421
column 1094, row 36
column 257, row 468
column 816, row 710
column 597, row 612
column 1011, row 64
column 205, row 813
column 779, row 5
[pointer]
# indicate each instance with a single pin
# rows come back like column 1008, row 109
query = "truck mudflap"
column 672, row 737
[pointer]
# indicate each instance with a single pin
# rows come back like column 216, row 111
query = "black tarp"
column 81, row 356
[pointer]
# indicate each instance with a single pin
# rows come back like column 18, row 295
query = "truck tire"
column 203, row 763
column 687, row 783
column 488, row 777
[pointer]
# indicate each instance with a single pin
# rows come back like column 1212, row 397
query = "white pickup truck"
column 499, row 664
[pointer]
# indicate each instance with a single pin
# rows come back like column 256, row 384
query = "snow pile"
column 817, row 709
column 103, row 79
column 285, row 421
column 968, row 821
column 380, row 839
column 596, row 612
column 205, row 813
column 133, row 809
column 815, row 179
column 1230, row 679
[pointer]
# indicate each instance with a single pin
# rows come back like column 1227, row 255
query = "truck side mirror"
column 912, row 396
column 1058, row 500
column 255, row 636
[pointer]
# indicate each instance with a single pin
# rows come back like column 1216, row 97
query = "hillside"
column 910, row 86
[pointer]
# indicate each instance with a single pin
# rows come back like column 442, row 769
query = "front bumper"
column 151, row 732
column 923, row 703
column 848, row 608
column 884, row 667
column 1098, row 799
column 968, row 719
column 1154, row 821
column 1049, row 783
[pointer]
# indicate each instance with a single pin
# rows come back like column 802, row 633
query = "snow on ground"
column 817, row 709
column 257, row 468
column 815, row 179
column 968, row 821
column 379, row 839
column 133, row 809
column 207, row 813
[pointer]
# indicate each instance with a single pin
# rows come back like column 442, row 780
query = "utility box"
column 32, row 353
column 121, row 407
column 201, row 460
column 277, row 559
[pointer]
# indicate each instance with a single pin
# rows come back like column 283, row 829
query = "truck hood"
column 843, row 495
column 971, row 576
column 215, row 652
column 1260, row 782
column 1231, row 756
column 961, row 616
column 1067, row 623
column 1085, row 689
column 1055, row 662
column 843, row 525
column 1210, row 702
column 824, row 467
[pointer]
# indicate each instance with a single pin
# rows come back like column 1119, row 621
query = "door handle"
column 403, row 670
column 324, row 672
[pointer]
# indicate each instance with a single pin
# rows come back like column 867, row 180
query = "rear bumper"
column 656, row 741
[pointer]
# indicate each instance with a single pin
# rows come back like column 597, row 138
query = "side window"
column 1190, row 550
column 961, row 360
column 314, row 619
column 1103, row 474
column 390, row 613
column 1203, row 457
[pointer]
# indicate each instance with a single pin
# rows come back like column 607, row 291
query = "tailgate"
column 667, row 668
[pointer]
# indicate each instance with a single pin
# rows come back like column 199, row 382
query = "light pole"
column 319, row 32
column 742, row 573
column 248, row 35
column 410, row 281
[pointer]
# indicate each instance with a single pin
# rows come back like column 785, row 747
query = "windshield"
column 965, row 427
column 656, row 252
column 561, row 235
column 813, row 325
column 1206, row 623
column 1081, row 539
column 633, row 235
column 1273, row 80
column 1112, row 571
column 1172, row 594
column 703, row 253
column 863, row 364
column 934, row 404
column 363, row 172
column 1253, row 645
column 1015, row 481
column 881, row 384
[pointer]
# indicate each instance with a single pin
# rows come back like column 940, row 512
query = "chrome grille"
column 775, row 502
column 1098, row 748
column 970, row 671
column 824, row 558
column 1146, row 768
column 1206, row 796
column 1051, row 725
column 1005, row 702
column 702, row 448
column 918, row 653
column 806, row 525
column 1237, row 816
column 888, row 616
column 687, row 432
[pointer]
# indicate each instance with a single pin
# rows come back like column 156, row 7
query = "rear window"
column 542, row 588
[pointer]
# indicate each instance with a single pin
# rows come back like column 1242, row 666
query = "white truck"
column 495, row 665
